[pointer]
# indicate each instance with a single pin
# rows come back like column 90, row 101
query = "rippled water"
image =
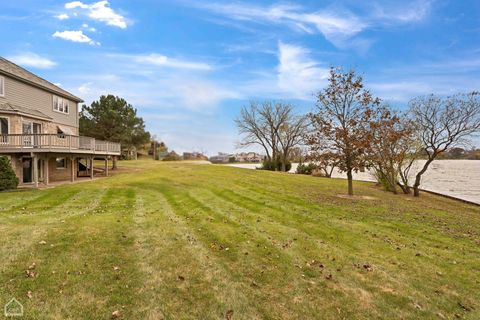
column 457, row 178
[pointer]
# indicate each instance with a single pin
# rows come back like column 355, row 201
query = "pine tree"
column 8, row 179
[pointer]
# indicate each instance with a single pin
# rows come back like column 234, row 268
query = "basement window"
column 61, row 163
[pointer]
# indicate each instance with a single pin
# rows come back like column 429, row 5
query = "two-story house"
column 39, row 130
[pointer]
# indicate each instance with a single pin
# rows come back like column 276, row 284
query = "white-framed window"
column 2, row 86
column 60, row 105
column 61, row 163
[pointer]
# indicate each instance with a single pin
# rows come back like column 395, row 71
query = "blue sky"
column 188, row 66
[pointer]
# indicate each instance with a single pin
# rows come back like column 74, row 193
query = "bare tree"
column 290, row 134
column 254, row 130
column 274, row 116
column 392, row 136
column 444, row 123
column 272, row 125
column 344, row 108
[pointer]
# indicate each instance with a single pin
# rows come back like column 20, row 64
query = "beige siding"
column 16, row 127
column 25, row 95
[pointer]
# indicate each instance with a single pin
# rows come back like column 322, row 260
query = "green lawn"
column 188, row 241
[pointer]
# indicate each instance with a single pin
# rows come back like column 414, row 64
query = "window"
column 60, row 104
column 2, row 87
column 61, row 163
column 4, row 126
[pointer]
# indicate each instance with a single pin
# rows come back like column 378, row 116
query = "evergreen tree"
column 8, row 179
column 114, row 119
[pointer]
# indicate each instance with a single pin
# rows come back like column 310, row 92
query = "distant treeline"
column 460, row 153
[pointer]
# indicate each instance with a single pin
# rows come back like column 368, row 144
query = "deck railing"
column 57, row 142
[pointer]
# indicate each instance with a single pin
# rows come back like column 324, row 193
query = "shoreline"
column 456, row 179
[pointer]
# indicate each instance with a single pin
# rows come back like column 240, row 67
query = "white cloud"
column 100, row 11
column 62, row 16
column 336, row 23
column 74, row 36
column 164, row 61
column 402, row 12
column 298, row 74
column 29, row 59
column 333, row 24
column 87, row 27
column 75, row 4
column 85, row 88
column 200, row 95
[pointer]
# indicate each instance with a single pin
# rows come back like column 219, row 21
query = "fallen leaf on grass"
column 42, row 242
column 229, row 315
column 116, row 268
column 29, row 295
column 30, row 274
column 116, row 314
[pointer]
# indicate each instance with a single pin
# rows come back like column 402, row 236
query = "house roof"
column 9, row 68
column 10, row 108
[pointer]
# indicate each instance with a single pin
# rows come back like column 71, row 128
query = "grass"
column 188, row 241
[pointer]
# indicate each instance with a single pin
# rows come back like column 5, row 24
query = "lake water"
column 456, row 178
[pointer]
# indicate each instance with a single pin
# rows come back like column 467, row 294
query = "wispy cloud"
column 99, row 11
column 164, row 61
column 298, row 73
column 30, row 59
column 441, row 76
column 336, row 23
column 74, row 36
column 402, row 12
column 62, row 16
column 335, row 26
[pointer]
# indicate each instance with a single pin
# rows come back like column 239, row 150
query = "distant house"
column 221, row 158
column 194, row 156
column 251, row 157
column 39, row 129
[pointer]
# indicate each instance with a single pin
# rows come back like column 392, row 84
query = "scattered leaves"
column 116, row 314
column 229, row 315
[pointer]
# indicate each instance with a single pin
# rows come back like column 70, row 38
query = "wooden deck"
column 61, row 143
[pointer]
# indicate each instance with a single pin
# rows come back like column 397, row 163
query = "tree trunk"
column 114, row 163
column 284, row 164
column 350, row 182
column 418, row 177
column 404, row 187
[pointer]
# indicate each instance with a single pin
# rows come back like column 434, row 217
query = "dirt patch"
column 356, row 197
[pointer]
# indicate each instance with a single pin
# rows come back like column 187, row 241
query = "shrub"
column 272, row 165
column 8, row 179
column 306, row 168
